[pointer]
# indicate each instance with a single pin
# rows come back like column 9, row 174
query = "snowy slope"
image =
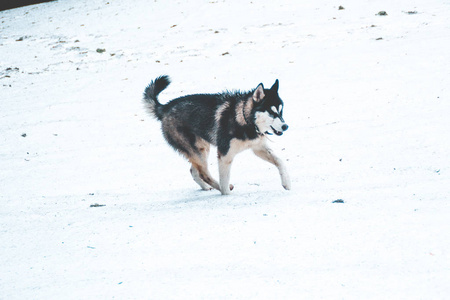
column 367, row 101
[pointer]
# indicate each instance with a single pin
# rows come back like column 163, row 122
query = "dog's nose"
column 284, row 127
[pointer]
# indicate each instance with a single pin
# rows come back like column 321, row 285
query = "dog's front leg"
column 266, row 153
column 224, row 173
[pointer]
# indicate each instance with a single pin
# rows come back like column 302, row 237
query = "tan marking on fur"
column 244, row 111
column 202, row 145
column 248, row 108
column 240, row 118
column 220, row 110
column 217, row 117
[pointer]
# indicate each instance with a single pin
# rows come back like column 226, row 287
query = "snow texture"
column 96, row 205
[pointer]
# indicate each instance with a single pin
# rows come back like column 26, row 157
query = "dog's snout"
column 284, row 127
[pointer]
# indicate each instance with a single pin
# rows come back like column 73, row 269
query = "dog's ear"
column 258, row 94
column 275, row 86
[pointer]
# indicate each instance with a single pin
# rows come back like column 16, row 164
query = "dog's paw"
column 285, row 180
column 286, row 184
column 227, row 191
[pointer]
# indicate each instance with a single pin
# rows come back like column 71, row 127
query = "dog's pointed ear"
column 275, row 86
column 258, row 94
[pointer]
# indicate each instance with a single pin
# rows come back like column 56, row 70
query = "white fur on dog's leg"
column 225, row 187
column 286, row 181
column 224, row 173
column 265, row 153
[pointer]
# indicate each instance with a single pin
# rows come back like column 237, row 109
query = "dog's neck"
column 250, row 122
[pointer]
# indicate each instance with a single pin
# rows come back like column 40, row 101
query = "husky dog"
column 232, row 121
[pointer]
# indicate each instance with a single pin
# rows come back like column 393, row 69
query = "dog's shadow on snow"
column 214, row 199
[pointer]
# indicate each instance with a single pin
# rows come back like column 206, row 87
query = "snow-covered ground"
column 367, row 100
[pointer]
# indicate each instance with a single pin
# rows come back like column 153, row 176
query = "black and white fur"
column 232, row 121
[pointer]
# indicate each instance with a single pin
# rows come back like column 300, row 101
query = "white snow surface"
column 367, row 100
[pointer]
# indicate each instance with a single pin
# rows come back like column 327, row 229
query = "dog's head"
column 269, row 110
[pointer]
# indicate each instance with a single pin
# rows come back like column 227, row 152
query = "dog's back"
column 205, row 116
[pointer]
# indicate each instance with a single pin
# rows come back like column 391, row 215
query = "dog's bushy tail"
column 151, row 95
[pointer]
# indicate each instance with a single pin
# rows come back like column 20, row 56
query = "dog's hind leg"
column 199, row 168
column 266, row 153
column 194, row 148
column 196, row 175
column 203, row 174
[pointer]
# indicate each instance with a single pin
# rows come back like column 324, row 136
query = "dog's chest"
column 237, row 145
